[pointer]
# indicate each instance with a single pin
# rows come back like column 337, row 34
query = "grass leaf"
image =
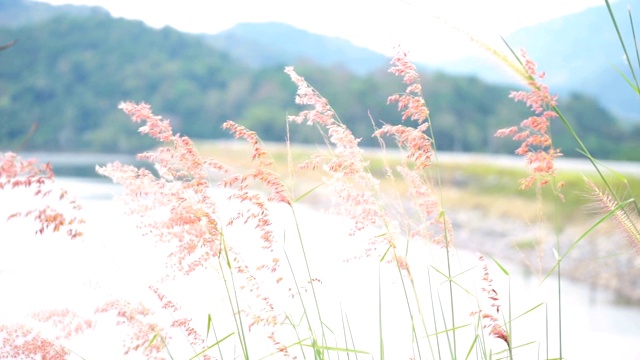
column 504, row 270
column 211, row 346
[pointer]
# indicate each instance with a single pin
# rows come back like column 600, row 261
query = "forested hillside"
column 23, row 12
column 66, row 75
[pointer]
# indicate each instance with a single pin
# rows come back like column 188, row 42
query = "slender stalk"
column 635, row 39
column 546, row 327
column 406, row 296
column 557, row 231
column 447, row 240
column 510, row 331
column 344, row 331
column 353, row 343
column 237, row 317
column 313, row 289
column 453, row 319
column 444, row 320
column 624, row 48
column 215, row 336
column 433, row 313
column 381, row 337
column 304, row 308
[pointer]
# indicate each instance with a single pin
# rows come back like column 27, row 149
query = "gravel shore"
column 604, row 259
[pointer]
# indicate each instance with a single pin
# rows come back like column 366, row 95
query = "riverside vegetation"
column 233, row 240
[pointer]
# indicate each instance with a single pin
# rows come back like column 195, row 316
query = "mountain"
column 65, row 77
column 21, row 12
column 60, row 85
column 578, row 52
column 270, row 44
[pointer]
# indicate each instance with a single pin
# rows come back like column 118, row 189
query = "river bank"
column 489, row 214
column 603, row 260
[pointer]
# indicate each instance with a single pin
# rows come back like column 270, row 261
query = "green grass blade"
column 450, row 330
column 414, row 333
column 595, row 225
column 153, row 339
column 353, row 343
column 525, row 75
column 635, row 40
column 446, row 331
column 295, row 330
column 504, row 270
column 304, row 307
column 210, row 327
column 328, row 328
column 297, row 343
column 211, row 346
column 308, row 192
column 209, row 323
column 380, row 336
column 450, row 279
column 473, row 345
column 385, row 253
column 433, row 313
column 627, row 80
column 337, row 349
column 344, row 330
column 235, row 305
column 526, row 312
column 309, row 277
column 515, row 347
column 624, row 47
column 605, row 166
column 226, row 251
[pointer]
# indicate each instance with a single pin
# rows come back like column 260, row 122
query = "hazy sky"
column 375, row 24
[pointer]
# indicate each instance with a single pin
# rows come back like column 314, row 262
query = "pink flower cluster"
column 321, row 113
column 491, row 321
column 178, row 207
column 350, row 181
column 536, row 146
column 21, row 341
column 413, row 107
column 411, row 103
column 419, row 148
column 18, row 173
column 138, row 319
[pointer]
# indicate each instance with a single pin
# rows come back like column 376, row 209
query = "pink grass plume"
column 533, row 133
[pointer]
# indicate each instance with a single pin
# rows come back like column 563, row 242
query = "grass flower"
column 19, row 341
column 490, row 318
column 412, row 105
column 626, row 217
column 349, row 180
column 419, row 147
column 177, row 207
column 18, row 173
column 533, row 132
column 140, row 322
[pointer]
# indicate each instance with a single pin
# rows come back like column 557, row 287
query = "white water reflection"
column 113, row 260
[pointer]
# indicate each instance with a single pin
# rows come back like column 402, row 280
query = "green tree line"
column 60, row 85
